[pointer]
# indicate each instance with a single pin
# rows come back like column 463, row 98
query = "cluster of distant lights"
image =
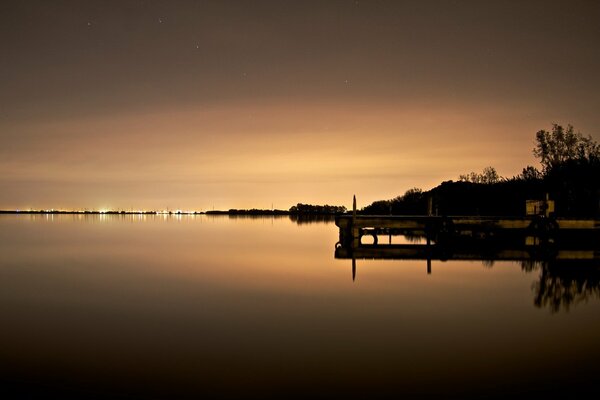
column 106, row 211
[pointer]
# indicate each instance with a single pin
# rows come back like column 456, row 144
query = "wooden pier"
column 443, row 228
column 484, row 238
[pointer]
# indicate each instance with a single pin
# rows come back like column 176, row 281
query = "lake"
column 133, row 306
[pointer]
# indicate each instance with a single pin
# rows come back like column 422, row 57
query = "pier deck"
column 354, row 227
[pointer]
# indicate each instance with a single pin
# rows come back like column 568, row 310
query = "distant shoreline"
column 247, row 212
column 100, row 212
column 212, row 212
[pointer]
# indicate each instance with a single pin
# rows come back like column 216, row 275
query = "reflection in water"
column 565, row 283
column 311, row 219
column 296, row 218
column 172, row 307
column 569, row 270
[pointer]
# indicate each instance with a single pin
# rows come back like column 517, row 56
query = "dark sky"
column 242, row 104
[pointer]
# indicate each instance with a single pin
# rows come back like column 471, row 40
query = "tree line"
column 569, row 175
column 316, row 209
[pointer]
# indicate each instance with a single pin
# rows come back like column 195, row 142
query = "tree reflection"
column 301, row 219
column 562, row 284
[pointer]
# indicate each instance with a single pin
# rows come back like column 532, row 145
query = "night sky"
column 254, row 104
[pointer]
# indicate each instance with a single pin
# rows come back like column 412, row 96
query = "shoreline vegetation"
column 569, row 176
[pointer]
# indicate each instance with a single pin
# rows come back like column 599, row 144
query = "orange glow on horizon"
column 250, row 156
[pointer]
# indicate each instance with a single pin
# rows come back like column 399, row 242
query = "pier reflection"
column 569, row 270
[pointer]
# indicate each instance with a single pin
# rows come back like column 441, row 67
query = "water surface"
column 175, row 307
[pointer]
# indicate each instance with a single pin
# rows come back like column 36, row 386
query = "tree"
column 563, row 145
column 413, row 193
column 412, row 202
column 531, row 173
column 487, row 176
column 316, row 209
column 571, row 166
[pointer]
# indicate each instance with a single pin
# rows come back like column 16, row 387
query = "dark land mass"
column 570, row 176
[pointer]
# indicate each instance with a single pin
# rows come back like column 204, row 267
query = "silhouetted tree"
column 531, row 174
column 381, row 207
column 412, row 202
column 487, row 176
column 562, row 145
column 571, row 166
column 316, row 209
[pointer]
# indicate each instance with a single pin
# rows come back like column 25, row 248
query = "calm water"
column 173, row 307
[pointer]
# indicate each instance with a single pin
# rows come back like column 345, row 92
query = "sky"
column 201, row 105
